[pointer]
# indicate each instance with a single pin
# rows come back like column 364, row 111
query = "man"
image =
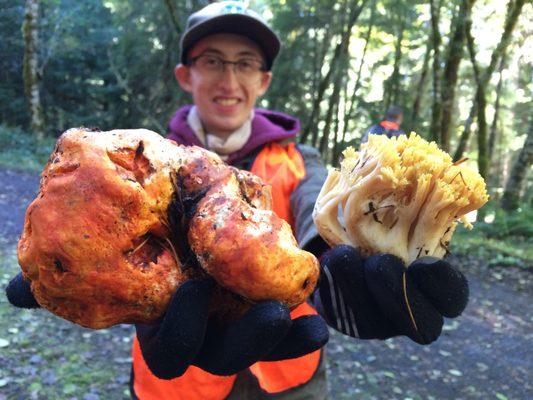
column 227, row 52
column 390, row 126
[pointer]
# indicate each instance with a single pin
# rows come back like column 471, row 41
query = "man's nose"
column 229, row 77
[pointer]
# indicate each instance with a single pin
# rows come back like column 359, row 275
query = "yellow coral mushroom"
column 402, row 195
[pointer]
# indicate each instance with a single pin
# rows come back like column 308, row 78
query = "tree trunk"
column 353, row 101
column 173, row 17
column 451, row 69
column 333, row 104
column 31, row 74
column 420, row 89
column 321, row 52
column 494, row 126
column 517, row 179
column 480, row 100
column 345, row 38
column 436, row 109
column 465, row 136
column 320, row 95
column 335, row 152
column 393, row 83
column 513, row 12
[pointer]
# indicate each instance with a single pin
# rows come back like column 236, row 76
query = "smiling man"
column 227, row 52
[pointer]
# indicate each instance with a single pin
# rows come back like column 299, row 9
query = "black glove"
column 378, row 298
column 187, row 337
column 19, row 294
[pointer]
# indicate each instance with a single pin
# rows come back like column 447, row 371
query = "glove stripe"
column 344, row 323
column 354, row 327
column 332, row 296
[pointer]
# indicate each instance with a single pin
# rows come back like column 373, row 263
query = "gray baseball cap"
column 230, row 17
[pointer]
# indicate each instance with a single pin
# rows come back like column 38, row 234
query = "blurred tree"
column 354, row 98
column 436, row 109
column 31, row 73
column 420, row 89
column 13, row 104
column 482, row 79
column 517, row 179
column 340, row 50
column 451, row 71
column 514, row 9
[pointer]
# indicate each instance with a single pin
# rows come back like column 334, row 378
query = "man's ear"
column 183, row 76
column 265, row 82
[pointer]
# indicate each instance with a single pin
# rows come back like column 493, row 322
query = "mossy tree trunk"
column 518, row 177
column 465, row 136
column 349, row 111
column 31, row 75
column 333, row 107
column 451, row 69
column 420, row 89
column 494, row 125
column 436, row 109
column 173, row 16
column 393, row 84
column 514, row 9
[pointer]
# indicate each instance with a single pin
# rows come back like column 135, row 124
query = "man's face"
column 399, row 119
column 224, row 103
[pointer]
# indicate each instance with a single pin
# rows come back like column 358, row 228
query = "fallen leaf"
column 69, row 388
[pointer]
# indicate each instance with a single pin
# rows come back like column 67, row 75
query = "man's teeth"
column 227, row 102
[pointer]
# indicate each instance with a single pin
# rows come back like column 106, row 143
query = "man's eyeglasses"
column 248, row 71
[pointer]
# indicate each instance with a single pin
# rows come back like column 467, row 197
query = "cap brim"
column 238, row 24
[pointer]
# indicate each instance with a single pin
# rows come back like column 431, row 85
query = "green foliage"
column 12, row 101
column 518, row 223
column 103, row 64
column 109, row 64
column 506, row 240
column 20, row 150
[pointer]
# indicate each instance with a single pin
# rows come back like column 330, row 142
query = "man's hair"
column 393, row 113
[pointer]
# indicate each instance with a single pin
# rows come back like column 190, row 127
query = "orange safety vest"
column 282, row 167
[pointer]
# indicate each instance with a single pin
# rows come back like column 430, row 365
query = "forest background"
column 461, row 70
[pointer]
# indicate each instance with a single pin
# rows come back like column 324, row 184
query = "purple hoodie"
column 267, row 126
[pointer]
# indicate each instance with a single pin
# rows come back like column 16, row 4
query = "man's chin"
column 226, row 126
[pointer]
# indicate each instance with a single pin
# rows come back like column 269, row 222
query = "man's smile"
column 227, row 101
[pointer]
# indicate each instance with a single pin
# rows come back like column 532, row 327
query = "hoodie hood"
column 267, row 126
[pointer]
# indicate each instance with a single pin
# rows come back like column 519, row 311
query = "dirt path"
column 485, row 354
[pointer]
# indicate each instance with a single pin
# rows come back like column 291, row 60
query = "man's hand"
column 380, row 297
column 187, row 337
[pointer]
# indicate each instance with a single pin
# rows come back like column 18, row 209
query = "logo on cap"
column 234, row 8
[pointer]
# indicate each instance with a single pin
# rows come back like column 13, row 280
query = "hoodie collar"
column 267, row 126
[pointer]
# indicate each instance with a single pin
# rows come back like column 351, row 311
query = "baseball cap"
column 230, row 17
column 393, row 112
